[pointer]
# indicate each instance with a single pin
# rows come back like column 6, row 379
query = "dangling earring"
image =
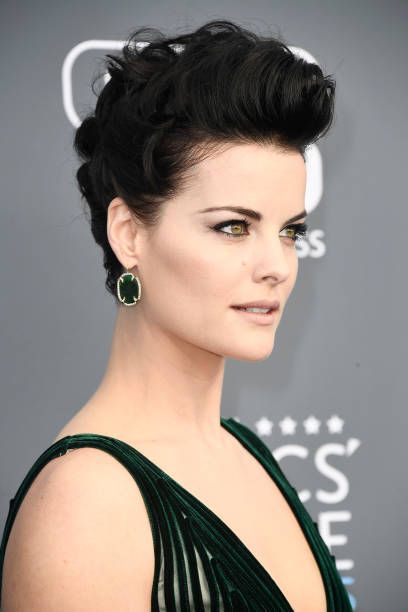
column 128, row 288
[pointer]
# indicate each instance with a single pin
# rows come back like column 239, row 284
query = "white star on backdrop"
column 311, row 425
column 264, row 426
column 335, row 424
column 288, row 426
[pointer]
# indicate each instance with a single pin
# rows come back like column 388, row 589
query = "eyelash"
column 300, row 229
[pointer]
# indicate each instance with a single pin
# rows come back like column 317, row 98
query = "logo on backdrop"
column 311, row 246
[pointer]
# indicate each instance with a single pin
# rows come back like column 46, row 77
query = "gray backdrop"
column 329, row 401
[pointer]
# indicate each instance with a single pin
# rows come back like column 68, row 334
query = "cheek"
column 285, row 288
column 294, row 272
column 190, row 277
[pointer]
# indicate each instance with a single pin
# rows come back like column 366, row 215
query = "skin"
column 165, row 371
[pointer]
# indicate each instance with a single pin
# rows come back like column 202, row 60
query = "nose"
column 275, row 259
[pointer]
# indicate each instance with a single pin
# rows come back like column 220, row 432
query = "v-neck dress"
column 200, row 563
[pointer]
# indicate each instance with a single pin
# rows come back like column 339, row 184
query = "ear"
column 123, row 233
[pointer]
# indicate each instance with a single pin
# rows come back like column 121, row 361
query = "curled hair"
column 172, row 100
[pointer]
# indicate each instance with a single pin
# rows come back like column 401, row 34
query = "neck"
column 160, row 386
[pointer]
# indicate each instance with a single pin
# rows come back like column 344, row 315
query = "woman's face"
column 192, row 274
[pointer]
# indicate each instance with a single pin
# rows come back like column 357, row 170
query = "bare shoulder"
column 82, row 535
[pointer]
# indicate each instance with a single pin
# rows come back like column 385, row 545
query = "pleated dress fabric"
column 200, row 563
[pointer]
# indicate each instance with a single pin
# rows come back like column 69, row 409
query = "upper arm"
column 82, row 536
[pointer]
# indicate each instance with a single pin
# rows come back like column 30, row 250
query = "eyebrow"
column 254, row 214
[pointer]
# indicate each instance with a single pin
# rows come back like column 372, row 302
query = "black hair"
column 172, row 100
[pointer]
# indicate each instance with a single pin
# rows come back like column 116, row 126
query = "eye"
column 297, row 231
column 234, row 223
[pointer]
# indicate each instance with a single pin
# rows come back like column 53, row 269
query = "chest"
column 255, row 509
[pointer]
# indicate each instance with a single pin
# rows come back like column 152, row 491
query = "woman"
column 182, row 509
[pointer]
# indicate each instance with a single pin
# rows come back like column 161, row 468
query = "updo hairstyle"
column 171, row 101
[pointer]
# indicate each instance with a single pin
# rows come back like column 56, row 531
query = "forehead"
column 260, row 174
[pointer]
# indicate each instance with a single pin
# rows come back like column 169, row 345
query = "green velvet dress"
column 200, row 563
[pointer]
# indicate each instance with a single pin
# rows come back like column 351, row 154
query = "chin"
column 253, row 353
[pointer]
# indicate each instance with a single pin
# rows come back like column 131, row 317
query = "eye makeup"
column 299, row 230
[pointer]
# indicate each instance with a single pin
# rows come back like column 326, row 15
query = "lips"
column 271, row 305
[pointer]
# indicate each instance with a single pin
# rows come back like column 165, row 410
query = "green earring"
column 128, row 288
